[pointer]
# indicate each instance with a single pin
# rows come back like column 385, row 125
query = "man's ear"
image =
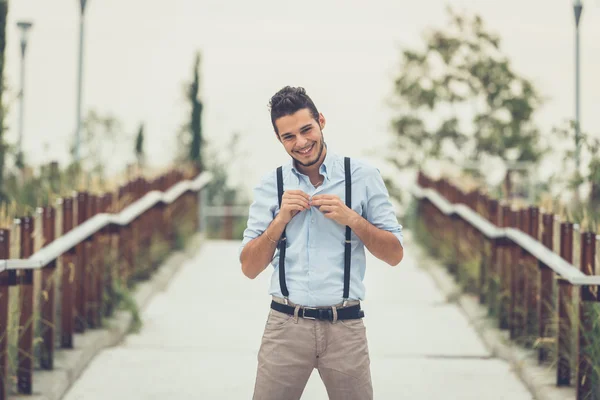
column 322, row 121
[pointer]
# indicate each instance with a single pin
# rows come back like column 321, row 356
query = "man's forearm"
column 258, row 253
column 382, row 244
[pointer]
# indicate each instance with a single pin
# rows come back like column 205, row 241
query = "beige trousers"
column 292, row 347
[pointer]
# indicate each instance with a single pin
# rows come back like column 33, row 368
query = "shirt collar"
column 325, row 169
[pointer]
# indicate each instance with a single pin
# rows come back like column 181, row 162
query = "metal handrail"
column 69, row 240
column 532, row 246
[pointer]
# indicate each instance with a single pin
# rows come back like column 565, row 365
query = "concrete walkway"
column 421, row 347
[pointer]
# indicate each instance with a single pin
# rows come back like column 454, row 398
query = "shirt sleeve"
column 262, row 210
column 380, row 211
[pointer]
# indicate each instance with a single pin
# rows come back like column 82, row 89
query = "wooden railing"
column 58, row 267
column 535, row 272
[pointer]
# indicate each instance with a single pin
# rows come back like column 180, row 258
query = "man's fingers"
column 297, row 193
column 296, row 196
column 298, row 201
column 302, row 205
column 325, row 197
column 326, row 209
column 324, row 202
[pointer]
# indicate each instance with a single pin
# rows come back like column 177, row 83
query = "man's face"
column 302, row 136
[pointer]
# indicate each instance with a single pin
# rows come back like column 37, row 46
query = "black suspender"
column 282, row 240
column 347, row 244
column 348, row 249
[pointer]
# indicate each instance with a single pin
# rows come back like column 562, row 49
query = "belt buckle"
column 307, row 308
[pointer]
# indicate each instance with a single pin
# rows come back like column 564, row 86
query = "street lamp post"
column 79, row 79
column 577, row 8
column 24, row 26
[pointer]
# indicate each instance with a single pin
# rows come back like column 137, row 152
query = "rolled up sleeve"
column 380, row 211
column 262, row 210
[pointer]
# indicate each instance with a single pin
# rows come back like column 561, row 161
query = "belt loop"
column 345, row 303
column 334, row 309
column 296, row 311
column 285, row 300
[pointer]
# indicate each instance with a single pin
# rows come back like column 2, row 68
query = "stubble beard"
column 316, row 160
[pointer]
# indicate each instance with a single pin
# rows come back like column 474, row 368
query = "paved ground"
column 421, row 347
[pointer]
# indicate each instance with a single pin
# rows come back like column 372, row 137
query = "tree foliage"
column 570, row 180
column 101, row 136
column 459, row 99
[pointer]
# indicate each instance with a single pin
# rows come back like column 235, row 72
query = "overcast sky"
column 139, row 53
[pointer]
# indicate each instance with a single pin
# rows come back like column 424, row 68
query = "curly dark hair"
column 289, row 100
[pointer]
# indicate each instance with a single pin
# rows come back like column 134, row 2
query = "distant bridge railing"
column 227, row 217
column 546, row 300
column 59, row 267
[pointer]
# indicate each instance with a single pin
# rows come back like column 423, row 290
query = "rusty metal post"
column 129, row 234
column 81, row 266
column 99, row 251
column 90, row 269
column 69, row 262
column 112, row 267
column 103, row 249
column 517, row 266
column 504, row 271
column 454, row 223
column 134, row 248
column 25, row 356
column 122, row 258
column 546, row 302
column 146, row 232
column 4, row 300
column 170, row 214
column 585, row 370
column 492, row 284
column 48, row 293
column 481, row 207
column 532, row 288
column 94, row 317
column 564, row 351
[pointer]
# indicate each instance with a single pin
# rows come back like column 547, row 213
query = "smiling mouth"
column 307, row 151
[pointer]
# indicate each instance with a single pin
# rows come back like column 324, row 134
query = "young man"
column 315, row 243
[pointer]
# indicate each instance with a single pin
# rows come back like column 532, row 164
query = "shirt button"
column 312, row 221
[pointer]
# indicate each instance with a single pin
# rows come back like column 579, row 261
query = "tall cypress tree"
column 139, row 146
column 195, row 154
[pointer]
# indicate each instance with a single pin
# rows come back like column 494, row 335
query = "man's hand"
column 292, row 202
column 334, row 208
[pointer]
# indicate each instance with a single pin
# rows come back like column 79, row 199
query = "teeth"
column 305, row 151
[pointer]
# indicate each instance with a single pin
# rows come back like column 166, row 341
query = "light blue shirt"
column 314, row 260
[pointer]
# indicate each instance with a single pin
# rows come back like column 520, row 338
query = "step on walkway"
column 190, row 347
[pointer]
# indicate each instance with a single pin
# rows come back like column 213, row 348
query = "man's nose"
column 301, row 142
